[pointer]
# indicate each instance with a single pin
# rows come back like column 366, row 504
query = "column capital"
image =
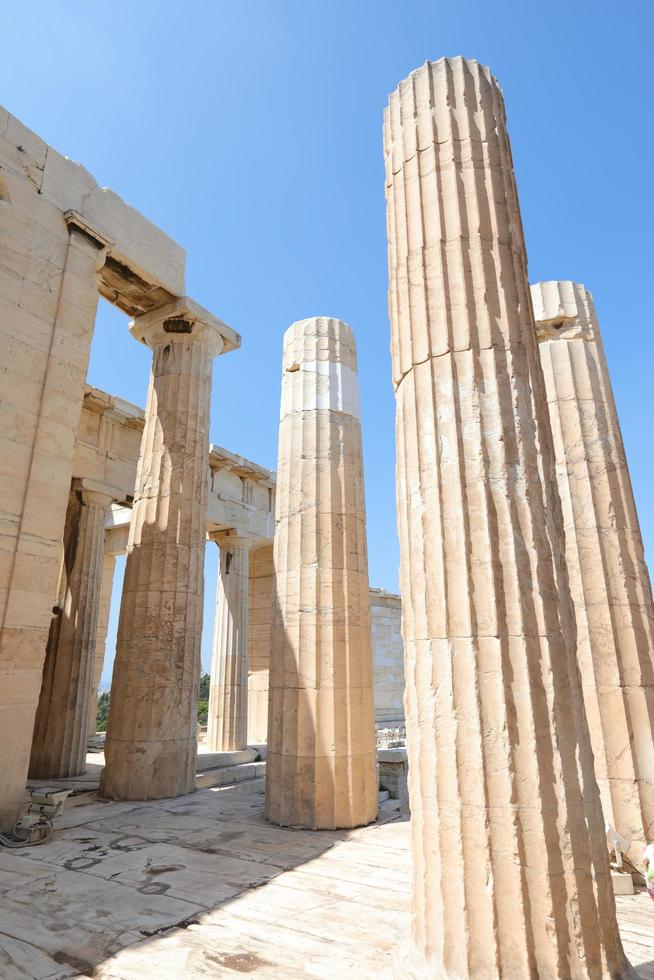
column 182, row 321
column 232, row 539
column 79, row 226
column 95, row 493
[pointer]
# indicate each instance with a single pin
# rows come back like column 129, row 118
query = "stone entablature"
column 145, row 268
column 64, row 241
column 241, row 500
column 241, row 493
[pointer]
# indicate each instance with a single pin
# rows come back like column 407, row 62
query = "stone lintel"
column 222, row 459
column 179, row 317
column 114, row 408
column 118, row 515
column 383, row 594
column 85, row 485
column 392, row 755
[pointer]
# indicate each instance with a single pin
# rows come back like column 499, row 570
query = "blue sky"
column 250, row 131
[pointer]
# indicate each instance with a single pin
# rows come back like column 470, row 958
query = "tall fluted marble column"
column 150, row 749
column 606, row 563
column 227, row 724
column 61, row 725
column 259, row 627
column 320, row 770
column 104, row 608
column 510, row 871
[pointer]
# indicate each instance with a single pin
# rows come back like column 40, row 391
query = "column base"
column 148, row 770
column 225, row 745
column 51, row 772
column 409, row 963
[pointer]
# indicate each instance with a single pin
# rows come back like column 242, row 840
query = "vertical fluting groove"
column 151, row 738
column 321, row 770
column 106, row 587
column 510, row 869
column 61, row 725
column 609, row 579
column 227, row 723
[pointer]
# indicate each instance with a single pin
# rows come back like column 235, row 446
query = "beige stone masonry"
column 240, row 501
column 227, row 724
column 388, row 657
column 61, row 724
column 146, row 266
column 510, row 870
column 151, row 738
column 608, row 576
column 48, row 300
column 321, row 743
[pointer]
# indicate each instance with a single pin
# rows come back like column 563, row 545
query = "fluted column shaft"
column 150, row 749
column 510, row 874
column 106, row 588
column 61, row 725
column 259, row 626
column 320, row 769
column 608, row 576
column 227, row 723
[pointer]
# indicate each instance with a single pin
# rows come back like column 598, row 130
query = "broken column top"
column 563, row 310
column 450, row 118
column 319, row 366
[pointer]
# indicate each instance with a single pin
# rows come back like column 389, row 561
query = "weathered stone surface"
column 104, row 608
column 203, row 887
column 393, row 769
column 387, row 650
column 151, row 737
column 260, row 606
column 510, row 871
column 48, row 299
column 61, row 724
column 388, row 656
column 321, row 741
column 227, row 723
column 606, row 563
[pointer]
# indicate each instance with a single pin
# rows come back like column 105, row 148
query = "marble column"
column 608, row 576
column 321, row 767
column 510, row 869
column 227, row 723
column 259, row 628
column 104, row 608
column 61, row 724
column 150, row 748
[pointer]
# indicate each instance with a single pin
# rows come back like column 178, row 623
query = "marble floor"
column 202, row 886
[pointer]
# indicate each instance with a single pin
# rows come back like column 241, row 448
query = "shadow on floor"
column 120, row 874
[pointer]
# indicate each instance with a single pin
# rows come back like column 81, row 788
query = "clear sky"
column 250, row 131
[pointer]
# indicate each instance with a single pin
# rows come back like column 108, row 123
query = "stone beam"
column 146, row 267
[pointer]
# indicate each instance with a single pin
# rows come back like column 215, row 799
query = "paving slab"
column 203, row 886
